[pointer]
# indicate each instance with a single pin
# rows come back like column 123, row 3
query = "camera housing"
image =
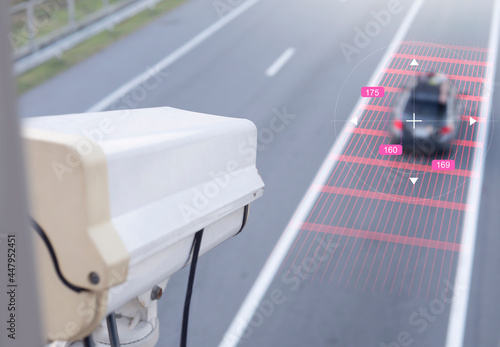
column 118, row 196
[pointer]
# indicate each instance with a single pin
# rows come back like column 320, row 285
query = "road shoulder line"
column 459, row 306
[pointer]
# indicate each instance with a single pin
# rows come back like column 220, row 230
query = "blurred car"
column 434, row 103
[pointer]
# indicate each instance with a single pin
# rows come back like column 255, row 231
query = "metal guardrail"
column 40, row 50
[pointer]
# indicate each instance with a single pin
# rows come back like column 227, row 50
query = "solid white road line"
column 172, row 58
column 280, row 62
column 459, row 305
column 273, row 263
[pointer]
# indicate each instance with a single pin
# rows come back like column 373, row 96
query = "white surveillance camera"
column 117, row 197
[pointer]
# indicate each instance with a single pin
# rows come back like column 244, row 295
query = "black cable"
column 114, row 339
column 185, row 319
column 88, row 341
column 46, row 240
column 245, row 218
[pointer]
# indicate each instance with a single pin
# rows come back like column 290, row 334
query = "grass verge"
column 91, row 46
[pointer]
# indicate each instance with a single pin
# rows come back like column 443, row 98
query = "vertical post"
column 18, row 285
column 30, row 22
column 71, row 13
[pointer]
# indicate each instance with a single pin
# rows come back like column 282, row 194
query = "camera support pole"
column 19, row 306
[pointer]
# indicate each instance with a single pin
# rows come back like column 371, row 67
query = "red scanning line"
column 368, row 194
column 466, row 118
column 377, row 108
column 382, row 133
column 440, row 59
column 445, row 46
column 392, row 238
column 459, row 96
column 402, row 165
column 471, row 97
column 452, row 77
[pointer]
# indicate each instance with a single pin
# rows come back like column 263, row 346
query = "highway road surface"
column 367, row 258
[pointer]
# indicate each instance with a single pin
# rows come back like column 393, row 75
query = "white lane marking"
column 171, row 58
column 280, row 62
column 459, row 305
column 244, row 315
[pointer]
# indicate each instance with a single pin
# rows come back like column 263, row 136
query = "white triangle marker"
column 354, row 120
column 472, row 121
column 413, row 180
column 414, row 63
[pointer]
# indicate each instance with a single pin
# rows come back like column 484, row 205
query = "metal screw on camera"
column 156, row 293
column 94, row 278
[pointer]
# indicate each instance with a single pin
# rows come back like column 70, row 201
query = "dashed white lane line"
column 240, row 322
column 172, row 58
column 280, row 62
column 459, row 306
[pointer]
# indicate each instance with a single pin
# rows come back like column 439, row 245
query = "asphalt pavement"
column 343, row 302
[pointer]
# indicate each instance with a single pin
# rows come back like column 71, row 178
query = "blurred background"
column 370, row 258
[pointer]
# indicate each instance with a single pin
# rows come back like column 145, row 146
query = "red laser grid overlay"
column 370, row 228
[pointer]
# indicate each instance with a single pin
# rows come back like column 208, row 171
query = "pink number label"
column 443, row 165
column 372, row 92
column 390, row 150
